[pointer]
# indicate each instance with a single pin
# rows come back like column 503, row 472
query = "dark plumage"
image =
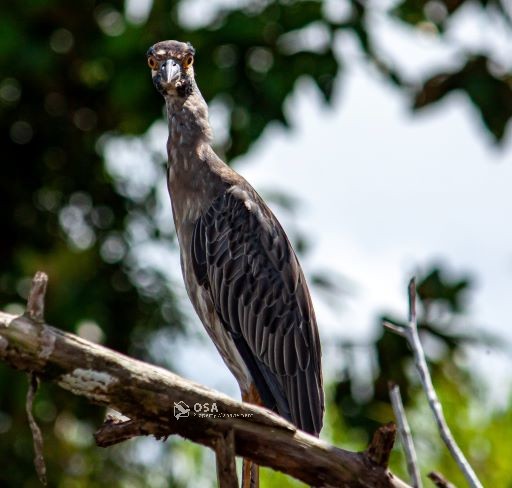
column 242, row 256
column 240, row 270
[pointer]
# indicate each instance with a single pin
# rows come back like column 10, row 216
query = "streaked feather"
column 259, row 292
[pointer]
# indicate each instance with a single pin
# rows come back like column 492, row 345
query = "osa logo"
column 181, row 409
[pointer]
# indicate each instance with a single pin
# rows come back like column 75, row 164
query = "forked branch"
column 410, row 333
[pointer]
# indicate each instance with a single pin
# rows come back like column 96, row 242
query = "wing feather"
column 242, row 256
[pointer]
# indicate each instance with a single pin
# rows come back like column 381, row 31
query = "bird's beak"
column 170, row 70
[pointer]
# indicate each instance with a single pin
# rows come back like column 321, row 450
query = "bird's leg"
column 250, row 474
column 250, row 470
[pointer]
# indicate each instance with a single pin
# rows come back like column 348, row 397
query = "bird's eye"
column 188, row 61
column 152, row 62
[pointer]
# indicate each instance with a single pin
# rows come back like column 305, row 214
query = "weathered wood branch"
column 147, row 395
column 226, row 464
column 379, row 449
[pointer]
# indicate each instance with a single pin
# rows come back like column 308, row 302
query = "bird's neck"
column 189, row 128
column 195, row 173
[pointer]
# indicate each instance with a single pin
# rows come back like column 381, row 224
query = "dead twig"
column 35, row 310
column 36, row 297
column 226, row 464
column 114, row 432
column 439, row 480
column 410, row 332
column 37, row 437
column 381, row 445
column 404, row 432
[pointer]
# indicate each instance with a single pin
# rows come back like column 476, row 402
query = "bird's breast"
column 205, row 309
column 188, row 204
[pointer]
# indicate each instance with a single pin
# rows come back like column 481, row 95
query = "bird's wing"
column 242, row 255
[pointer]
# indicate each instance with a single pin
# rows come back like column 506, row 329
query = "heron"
column 240, row 271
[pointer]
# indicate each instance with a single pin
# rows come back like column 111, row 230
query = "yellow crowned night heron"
column 240, row 271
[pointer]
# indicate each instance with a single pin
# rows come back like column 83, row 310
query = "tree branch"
column 35, row 311
column 381, row 445
column 148, row 396
column 35, row 302
column 404, row 432
column 226, row 464
column 410, row 332
column 113, row 431
column 37, row 436
column 439, row 480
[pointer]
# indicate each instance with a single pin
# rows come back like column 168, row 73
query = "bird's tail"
column 250, row 474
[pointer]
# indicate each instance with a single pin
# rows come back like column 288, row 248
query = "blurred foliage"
column 72, row 80
column 486, row 90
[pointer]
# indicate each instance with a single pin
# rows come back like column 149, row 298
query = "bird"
column 240, row 270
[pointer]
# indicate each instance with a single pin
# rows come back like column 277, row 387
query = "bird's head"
column 171, row 68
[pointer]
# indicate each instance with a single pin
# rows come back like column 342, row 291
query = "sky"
column 384, row 192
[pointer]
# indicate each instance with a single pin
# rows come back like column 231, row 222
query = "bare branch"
column 147, row 395
column 411, row 294
column 439, row 480
column 114, row 432
column 37, row 437
column 397, row 329
column 226, row 465
column 35, row 311
column 381, row 445
column 404, row 432
column 35, row 302
column 412, row 337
